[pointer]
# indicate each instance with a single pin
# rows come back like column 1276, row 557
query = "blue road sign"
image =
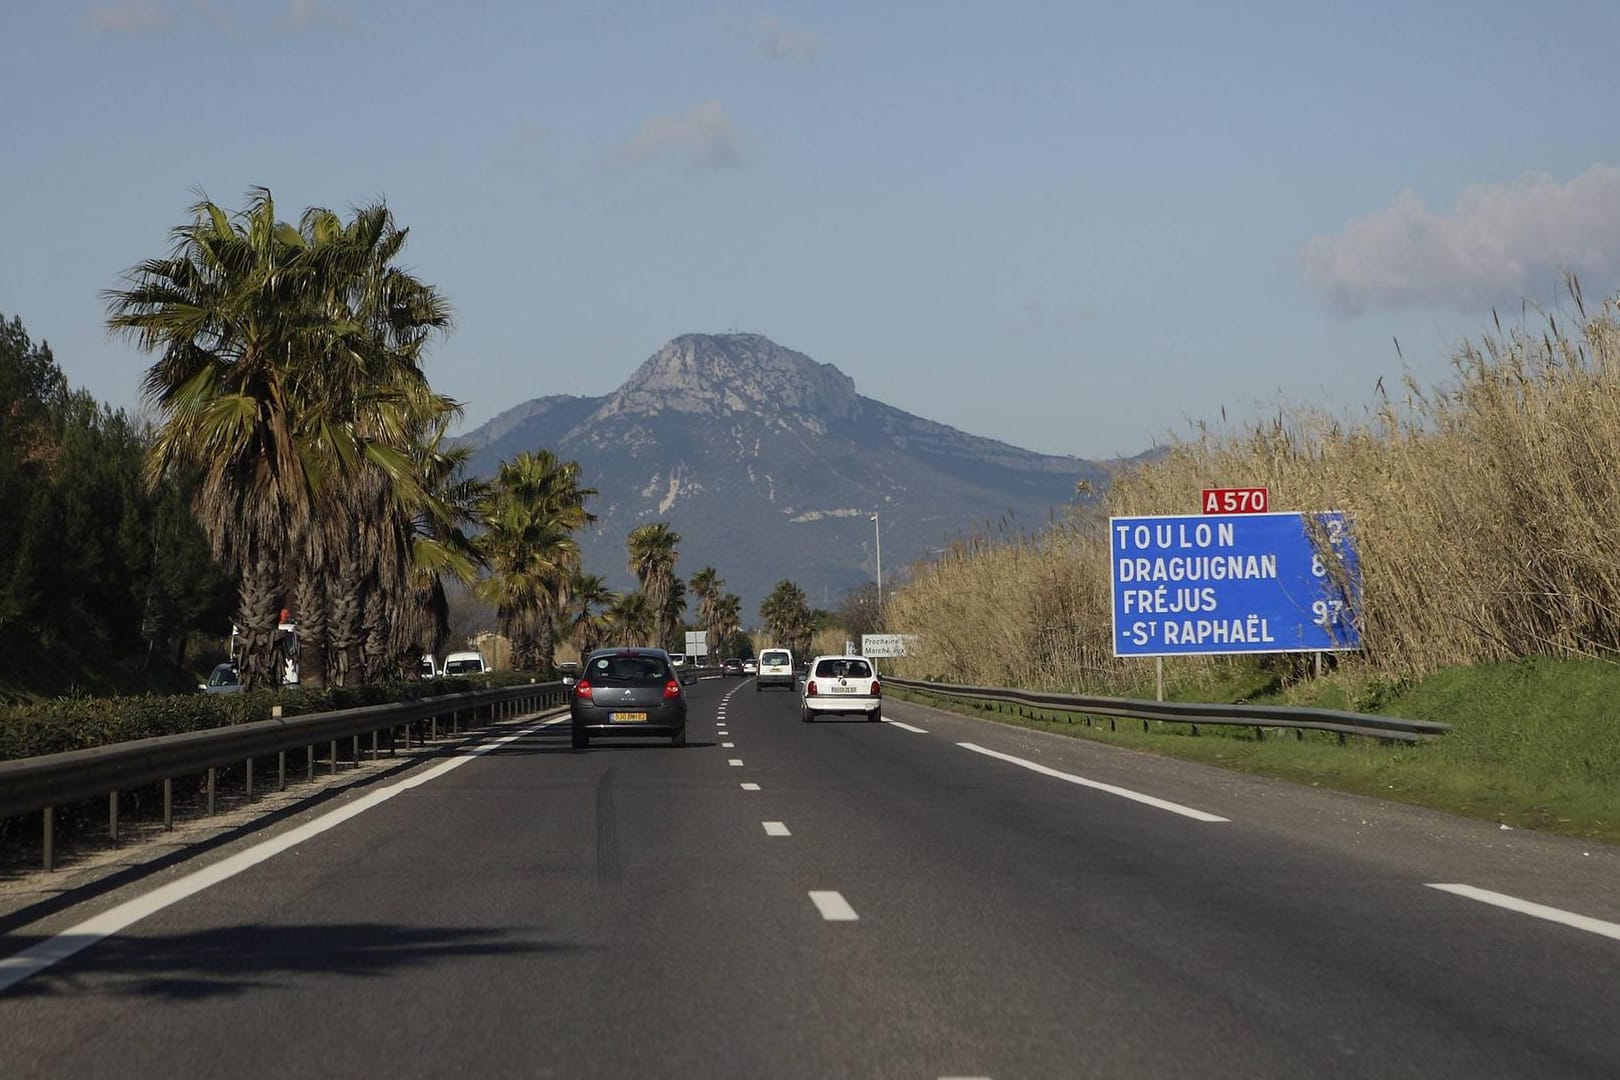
column 1240, row 583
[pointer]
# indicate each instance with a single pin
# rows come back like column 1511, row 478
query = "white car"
column 837, row 685
column 775, row 669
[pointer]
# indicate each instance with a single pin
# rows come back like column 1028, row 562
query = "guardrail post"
column 250, row 779
column 112, row 817
column 49, row 838
column 455, row 721
column 357, row 750
column 373, row 745
column 281, row 771
column 434, row 732
column 1299, row 734
column 168, row 804
column 309, row 760
column 1259, row 733
column 334, row 757
column 211, row 772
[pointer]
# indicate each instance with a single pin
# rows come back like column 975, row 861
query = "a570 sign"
column 1236, row 501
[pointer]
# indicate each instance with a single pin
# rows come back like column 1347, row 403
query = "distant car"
column 750, row 666
column 775, row 669
column 428, row 668
column 464, row 663
column 628, row 692
column 224, row 679
column 677, row 660
column 731, row 666
column 841, row 685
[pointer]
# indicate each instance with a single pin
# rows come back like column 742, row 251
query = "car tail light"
column 877, row 688
column 810, row 688
column 583, row 689
column 672, row 689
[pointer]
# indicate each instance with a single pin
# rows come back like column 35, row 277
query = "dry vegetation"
column 1484, row 512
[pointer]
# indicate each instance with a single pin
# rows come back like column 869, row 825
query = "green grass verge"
column 1533, row 744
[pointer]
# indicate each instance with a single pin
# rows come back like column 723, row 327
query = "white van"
column 775, row 669
column 464, row 663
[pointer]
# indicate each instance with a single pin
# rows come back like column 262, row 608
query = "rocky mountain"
column 770, row 465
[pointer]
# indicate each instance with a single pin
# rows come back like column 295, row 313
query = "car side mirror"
column 569, row 680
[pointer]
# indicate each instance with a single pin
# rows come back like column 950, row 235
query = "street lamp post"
column 877, row 528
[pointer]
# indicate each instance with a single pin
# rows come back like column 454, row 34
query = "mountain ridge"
column 770, row 464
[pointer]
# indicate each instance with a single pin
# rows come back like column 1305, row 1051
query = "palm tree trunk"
column 376, row 639
column 345, row 630
column 259, row 616
column 309, row 603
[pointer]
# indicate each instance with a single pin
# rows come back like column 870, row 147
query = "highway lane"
column 635, row 910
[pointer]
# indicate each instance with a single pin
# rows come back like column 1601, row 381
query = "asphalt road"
column 840, row 899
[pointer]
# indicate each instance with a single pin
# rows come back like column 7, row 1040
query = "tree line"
column 293, row 419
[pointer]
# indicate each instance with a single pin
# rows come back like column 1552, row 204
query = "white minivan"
column 775, row 669
column 464, row 663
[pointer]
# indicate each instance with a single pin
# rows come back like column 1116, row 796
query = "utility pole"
column 877, row 528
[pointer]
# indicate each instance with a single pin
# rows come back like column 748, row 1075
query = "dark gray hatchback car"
column 628, row 692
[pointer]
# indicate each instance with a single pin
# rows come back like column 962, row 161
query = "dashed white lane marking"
column 775, row 828
column 14, row 969
column 1538, row 911
column 728, row 746
column 833, row 906
column 905, row 727
column 734, row 762
column 750, row 787
column 1124, row 793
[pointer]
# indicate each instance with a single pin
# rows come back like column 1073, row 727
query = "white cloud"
column 702, row 135
column 313, row 14
column 129, row 17
column 1501, row 242
column 780, row 43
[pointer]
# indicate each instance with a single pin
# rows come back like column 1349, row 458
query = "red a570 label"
column 1235, row 500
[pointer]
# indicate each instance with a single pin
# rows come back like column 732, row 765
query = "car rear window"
column 627, row 669
column 843, row 669
column 774, row 657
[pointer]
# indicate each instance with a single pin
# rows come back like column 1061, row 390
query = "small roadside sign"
column 885, row 644
column 1247, row 500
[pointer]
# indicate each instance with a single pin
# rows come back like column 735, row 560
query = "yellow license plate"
column 628, row 718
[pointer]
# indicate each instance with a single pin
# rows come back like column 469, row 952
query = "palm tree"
column 706, row 586
column 727, row 617
column 630, row 619
column 534, row 508
column 654, row 549
column 673, row 616
column 585, row 617
column 787, row 619
column 288, row 372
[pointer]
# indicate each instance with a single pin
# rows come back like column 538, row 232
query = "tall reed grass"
column 1485, row 512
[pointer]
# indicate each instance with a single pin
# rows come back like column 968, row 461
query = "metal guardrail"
column 1259, row 717
column 40, row 784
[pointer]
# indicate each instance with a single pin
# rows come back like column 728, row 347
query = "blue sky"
column 1075, row 226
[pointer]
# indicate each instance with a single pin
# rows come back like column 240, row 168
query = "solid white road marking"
column 833, row 907
column 734, row 761
column 775, row 828
column 905, row 727
column 1539, row 911
column 750, row 787
column 1124, row 793
column 14, row 969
